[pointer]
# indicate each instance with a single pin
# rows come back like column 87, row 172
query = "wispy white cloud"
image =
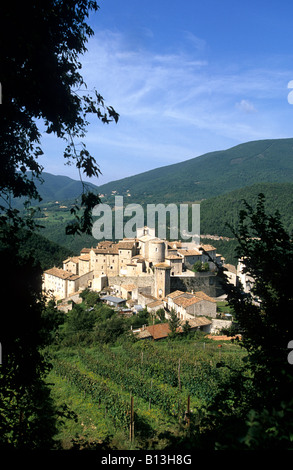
column 174, row 106
column 246, row 106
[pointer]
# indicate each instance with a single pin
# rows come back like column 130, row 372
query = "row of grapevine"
column 200, row 379
column 171, row 400
column 101, row 390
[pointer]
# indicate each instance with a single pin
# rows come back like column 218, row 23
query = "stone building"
column 62, row 284
column 189, row 305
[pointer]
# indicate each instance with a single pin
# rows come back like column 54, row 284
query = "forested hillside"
column 219, row 211
column 43, row 251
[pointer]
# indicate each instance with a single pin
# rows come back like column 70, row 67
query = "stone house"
column 154, row 306
column 175, row 263
column 128, row 291
column 209, row 255
column 105, row 260
column 71, row 265
column 188, row 305
column 62, row 284
column 126, row 250
column 189, row 257
column 84, row 264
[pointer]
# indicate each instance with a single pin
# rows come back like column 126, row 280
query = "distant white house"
column 231, row 273
column 246, row 280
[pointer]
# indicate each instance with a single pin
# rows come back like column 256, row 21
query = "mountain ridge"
column 193, row 180
column 211, row 174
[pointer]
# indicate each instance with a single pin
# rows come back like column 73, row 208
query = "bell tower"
column 162, row 280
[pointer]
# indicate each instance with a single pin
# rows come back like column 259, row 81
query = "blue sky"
column 187, row 78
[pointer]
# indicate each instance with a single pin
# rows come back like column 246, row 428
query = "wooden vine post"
column 131, row 435
column 150, row 400
column 188, row 412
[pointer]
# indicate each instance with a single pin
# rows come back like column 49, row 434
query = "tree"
column 42, row 91
column 186, row 328
column 199, row 267
column 173, row 323
column 52, row 318
column 26, row 413
column 266, row 320
column 91, row 298
column 161, row 314
column 41, row 43
column 265, row 314
column 80, row 319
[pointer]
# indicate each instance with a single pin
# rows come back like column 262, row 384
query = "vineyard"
column 140, row 395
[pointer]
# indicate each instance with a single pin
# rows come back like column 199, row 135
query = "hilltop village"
column 144, row 272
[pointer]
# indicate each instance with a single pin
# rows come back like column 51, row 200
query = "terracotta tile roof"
column 73, row 259
column 207, row 247
column 204, row 296
column 112, row 250
column 199, row 321
column 129, row 286
column 230, row 268
column 174, row 244
column 125, row 245
column 185, row 299
column 144, row 334
column 155, row 303
column 57, row 272
column 174, row 294
column 223, row 337
column 85, row 257
column 189, row 252
column 182, row 301
column 162, row 330
column 85, row 250
column 162, row 265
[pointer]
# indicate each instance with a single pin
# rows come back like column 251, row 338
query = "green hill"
column 211, row 174
column 57, row 188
